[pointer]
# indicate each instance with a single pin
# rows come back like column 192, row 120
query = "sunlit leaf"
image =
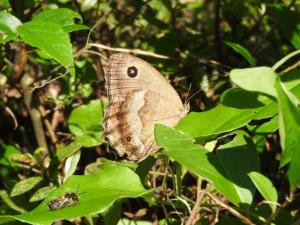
column 53, row 40
column 265, row 188
column 219, row 169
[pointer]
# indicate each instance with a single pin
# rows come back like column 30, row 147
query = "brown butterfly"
column 139, row 97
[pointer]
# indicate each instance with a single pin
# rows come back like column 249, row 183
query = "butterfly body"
column 139, row 97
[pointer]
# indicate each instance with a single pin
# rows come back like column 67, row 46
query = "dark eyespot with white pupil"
column 132, row 71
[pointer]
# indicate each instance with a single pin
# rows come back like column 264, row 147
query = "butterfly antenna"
column 187, row 101
column 187, row 97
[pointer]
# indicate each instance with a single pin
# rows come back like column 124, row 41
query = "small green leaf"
column 265, row 188
column 41, row 193
column 8, row 26
column 71, row 165
column 53, row 40
column 66, row 151
column 242, row 51
column 289, row 129
column 25, row 185
column 84, row 123
column 259, row 79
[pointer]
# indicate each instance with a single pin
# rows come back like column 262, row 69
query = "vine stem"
column 284, row 59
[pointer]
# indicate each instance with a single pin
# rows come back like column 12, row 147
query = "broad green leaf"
column 41, row 193
column 53, row 40
column 25, row 185
column 241, row 99
column 289, row 129
column 204, row 125
column 240, row 153
column 259, row 79
column 5, row 198
column 265, row 188
column 84, row 123
column 8, row 26
column 62, row 16
column 242, row 51
column 221, row 119
column 219, row 169
column 96, row 194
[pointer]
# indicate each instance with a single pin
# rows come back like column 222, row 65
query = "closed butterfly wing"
column 139, row 97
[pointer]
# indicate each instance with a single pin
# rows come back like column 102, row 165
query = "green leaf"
column 260, row 79
column 71, row 165
column 242, row 51
column 8, row 152
column 66, row 151
column 268, row 127
column 5, row 197
column 6, row 219
column 8, row 26
column 53, row 40
column 62, row 16
column 221, row 119
column 219, row 169
column 204, row 125
column 75, row 27
column 265, row 188
column 96, row 194
column 289, row 129
column 25, row 185
column 41, row 193
column 84, row 123
column 241, row 99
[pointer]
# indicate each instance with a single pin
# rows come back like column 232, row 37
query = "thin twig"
column 295, row 65
column 234, row 212
column 200, row 194
column 134, row 51
column 48, row 126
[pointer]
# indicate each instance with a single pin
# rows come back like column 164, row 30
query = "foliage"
column 234, row 159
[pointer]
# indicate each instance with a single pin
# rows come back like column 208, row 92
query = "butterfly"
column 139, row 97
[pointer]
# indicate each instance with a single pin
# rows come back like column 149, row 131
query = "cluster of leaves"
column 234, row 162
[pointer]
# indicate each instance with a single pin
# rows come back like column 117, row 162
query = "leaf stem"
column 284, row 59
